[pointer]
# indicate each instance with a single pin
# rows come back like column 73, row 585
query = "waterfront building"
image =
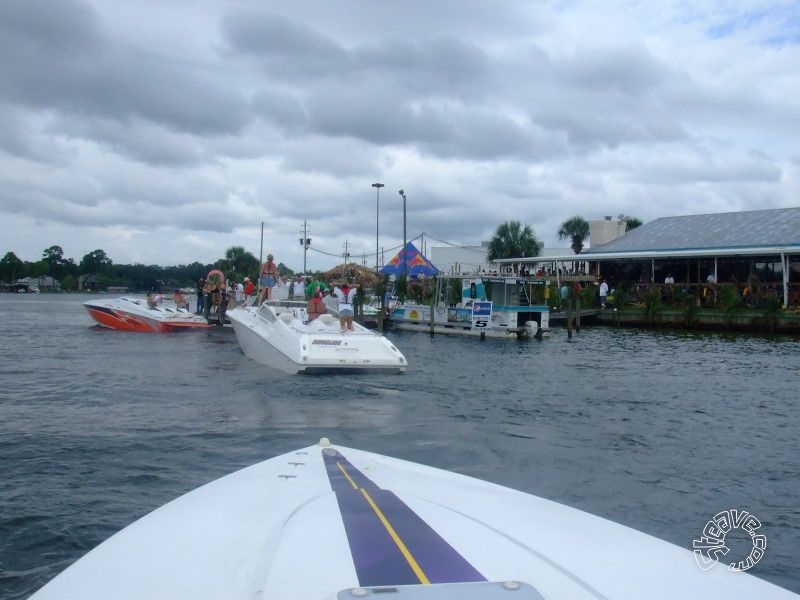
column 750, row 249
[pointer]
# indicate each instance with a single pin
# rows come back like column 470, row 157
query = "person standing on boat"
column 346, row 295
column 249, row 290
column 331, row 301
column 269, row 275
column 240, row 298
column 299, row 288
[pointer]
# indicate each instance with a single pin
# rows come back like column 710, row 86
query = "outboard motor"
column 531, row 328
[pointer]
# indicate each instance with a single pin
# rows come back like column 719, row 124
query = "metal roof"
column 750, row 233
column 751, row 229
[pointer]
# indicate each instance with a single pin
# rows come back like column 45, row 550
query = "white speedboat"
column 336, row 523
column 278, row 335
column 134, row 314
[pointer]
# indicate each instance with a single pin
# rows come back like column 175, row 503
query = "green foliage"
column 587, row 295
column 68, row 284
column 652, row 304
column 690, row 310
column 54, row 258
column 382, row 286
column 512, row 240
column 554, row 300
column 401, row 288
column 453, row 291
column 239, row 263
column 623, row 294
column 10, row 267
column 95, row 263
column 418, row 292
column 771, row 307
column 630, row 222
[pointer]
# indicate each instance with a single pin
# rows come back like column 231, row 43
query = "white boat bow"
column 329, row 522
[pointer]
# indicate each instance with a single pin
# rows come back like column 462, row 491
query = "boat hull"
column 329, row 522
column 293, row 346
column 132, row 314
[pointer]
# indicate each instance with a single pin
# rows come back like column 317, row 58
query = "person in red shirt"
column 249, row 290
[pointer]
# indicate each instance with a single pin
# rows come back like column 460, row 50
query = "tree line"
column 98, row 272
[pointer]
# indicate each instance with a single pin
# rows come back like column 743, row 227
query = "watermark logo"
column 711, row 545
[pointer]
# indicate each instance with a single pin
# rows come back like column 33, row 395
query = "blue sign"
column 481, row 309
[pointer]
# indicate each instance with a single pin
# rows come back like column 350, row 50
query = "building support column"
column 785, row 269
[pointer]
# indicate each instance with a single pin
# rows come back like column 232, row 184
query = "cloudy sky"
column 164, row 132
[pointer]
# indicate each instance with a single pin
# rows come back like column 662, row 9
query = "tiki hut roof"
column 364, row 276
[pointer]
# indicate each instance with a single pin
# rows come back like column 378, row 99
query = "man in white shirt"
column 603, row 293
column 240, row 300
column 298, row 288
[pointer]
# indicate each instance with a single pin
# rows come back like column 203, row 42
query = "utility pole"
column 346, row 253
column 305, row 242
column 405, row 254
column 261, row 249
column 377, row 187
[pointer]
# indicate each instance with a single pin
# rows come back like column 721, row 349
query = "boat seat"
column 327, row 319
column 286, row 317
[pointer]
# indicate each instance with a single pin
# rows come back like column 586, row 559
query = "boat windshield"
column 267, row 313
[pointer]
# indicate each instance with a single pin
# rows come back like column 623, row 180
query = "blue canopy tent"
column 418, row 265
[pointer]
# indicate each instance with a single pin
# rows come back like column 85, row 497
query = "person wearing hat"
column 249, row 290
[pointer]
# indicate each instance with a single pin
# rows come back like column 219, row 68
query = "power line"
column 464, row 246
column 368, row 254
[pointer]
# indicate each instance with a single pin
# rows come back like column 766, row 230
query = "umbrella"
column 364, row 276
column 311, row 287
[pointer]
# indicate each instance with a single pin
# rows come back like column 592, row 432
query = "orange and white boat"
column 134, row 314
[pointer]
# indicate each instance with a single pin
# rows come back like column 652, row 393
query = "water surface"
column 656, row 430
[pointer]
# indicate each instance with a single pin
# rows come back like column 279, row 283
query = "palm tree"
column 54, row 257
column 631, row 222
column 238, row 263
column 577, row 229
column 512, row 240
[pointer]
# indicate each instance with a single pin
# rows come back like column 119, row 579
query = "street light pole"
column 377, row 187
column 405, row 254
